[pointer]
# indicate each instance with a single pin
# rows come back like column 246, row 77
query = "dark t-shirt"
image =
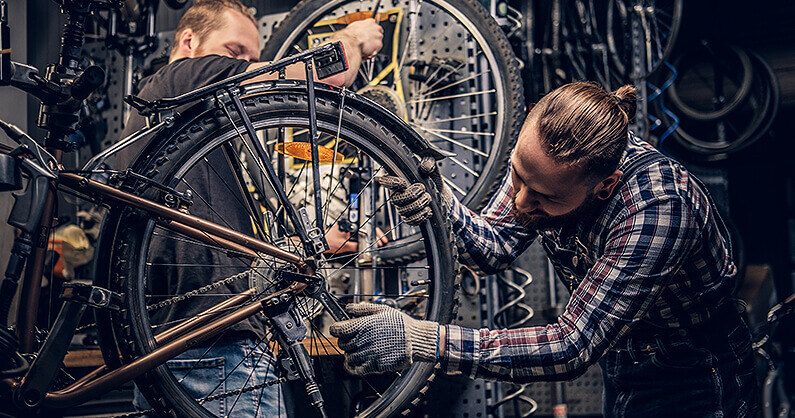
column 174, row 79
column 199, row 265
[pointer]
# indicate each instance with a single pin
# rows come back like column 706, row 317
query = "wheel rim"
column 659, row 23
column 434, row 307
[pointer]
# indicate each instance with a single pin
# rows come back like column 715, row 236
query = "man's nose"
column 526, row 201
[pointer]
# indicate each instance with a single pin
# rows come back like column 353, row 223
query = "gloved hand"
column 412, row 200
column 383, row 339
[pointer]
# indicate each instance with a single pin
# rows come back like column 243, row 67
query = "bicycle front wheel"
column 168, row 277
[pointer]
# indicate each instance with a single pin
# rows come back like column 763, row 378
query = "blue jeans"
column 711, row 375
column 228, row 366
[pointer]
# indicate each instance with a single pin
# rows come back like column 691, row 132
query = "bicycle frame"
column 31, row 389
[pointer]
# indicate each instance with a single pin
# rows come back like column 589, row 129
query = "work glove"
column 413, row 200
column 384, row 339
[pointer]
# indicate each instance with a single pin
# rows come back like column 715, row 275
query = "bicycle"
column 270, row 247
column 587, row 40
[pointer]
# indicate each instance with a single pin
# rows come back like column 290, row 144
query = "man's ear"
column 187, row 44
column 604, row 189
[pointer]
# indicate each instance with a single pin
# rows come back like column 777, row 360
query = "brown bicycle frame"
column 174, row 341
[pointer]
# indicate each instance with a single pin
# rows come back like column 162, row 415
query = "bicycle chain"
column 243, row 390
column 180, row 298
column 198, row 291
column 214, row 397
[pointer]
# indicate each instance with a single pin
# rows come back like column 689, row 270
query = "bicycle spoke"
column 480, row 115
column 454, row 96
column 374, row 175
column 447, row 86
column 334, row 346
column 334, row 158
column 362, row 251
column 435, row 132
column 465, row 167
column 463, row 132
column 454, row 186
column 449, row 73
column 349, row 238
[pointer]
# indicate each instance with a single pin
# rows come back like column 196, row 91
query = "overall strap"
column 640, row 162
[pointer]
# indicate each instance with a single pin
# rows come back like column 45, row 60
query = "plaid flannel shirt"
column 657, row 255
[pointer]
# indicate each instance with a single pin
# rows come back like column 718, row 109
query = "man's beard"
column 539, row 220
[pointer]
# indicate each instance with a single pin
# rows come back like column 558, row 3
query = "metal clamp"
column 314, row 233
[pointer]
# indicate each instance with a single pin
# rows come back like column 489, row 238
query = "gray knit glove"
column 412, row 200
column 383, row 339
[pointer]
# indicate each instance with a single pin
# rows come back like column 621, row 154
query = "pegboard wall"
column 584, row 394
column 458, row 396
column 480, row 302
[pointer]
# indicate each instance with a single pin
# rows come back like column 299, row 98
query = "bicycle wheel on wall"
column 658, row 23
column 750, row 120
column 168, row 278
column 446, row 68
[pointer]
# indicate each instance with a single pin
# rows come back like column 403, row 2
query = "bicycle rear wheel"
column 205, row 154
column 446, row 68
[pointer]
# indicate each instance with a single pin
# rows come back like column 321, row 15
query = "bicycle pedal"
column 94, row 296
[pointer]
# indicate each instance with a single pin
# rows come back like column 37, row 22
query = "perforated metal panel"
column 267, row 24
column 584, row 394
column 114, row 63
column 445, row 77
column 458, row 397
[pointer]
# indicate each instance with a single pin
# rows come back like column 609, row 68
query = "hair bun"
column 627, row 100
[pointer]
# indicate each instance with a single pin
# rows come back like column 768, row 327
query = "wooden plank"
column 83, row 358
column 315, row 346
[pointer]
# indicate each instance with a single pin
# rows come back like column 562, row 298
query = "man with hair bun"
column 634, row 237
